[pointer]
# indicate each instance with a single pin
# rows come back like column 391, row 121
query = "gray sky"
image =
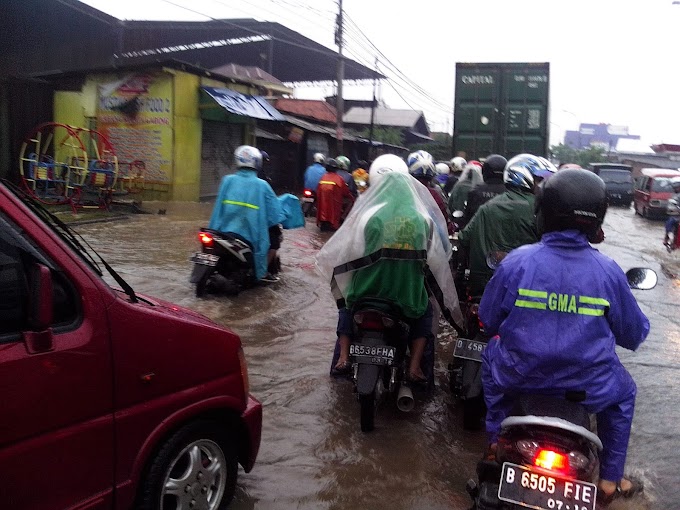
column 612, row 61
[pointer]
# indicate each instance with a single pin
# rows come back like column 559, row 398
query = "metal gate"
column 218, row 142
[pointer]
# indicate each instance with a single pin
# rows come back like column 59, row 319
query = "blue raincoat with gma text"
column 559, row 308
column 247, row 205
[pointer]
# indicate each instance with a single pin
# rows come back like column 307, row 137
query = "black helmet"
column 571, row 199
column 493, row 167
column 332, row 165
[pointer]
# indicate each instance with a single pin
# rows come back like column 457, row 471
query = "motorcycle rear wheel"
column 367, row 403
column 202, row 284
column 473, row 412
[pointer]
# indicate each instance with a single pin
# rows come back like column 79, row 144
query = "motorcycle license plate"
column 373, row 354
column 307, row 199
column 206, row 259
column 469, row 349
column 535, row 489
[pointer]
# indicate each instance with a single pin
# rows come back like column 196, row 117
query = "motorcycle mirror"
column 494, row 258
column 457, row 214
column 641, row 278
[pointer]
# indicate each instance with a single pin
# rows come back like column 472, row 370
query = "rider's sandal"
column 603, row 500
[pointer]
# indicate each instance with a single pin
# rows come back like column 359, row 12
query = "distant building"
column 606, row 136
column 412, row 123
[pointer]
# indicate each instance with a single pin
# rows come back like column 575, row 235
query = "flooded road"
column 313, row 454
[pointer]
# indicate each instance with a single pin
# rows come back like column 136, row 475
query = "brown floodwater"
column 313, row 454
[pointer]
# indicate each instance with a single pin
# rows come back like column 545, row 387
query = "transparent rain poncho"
column 468, row 180
column 396, row 219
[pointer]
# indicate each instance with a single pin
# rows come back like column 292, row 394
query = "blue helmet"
column 522, row 170
column 246, row 156
column 421, row 165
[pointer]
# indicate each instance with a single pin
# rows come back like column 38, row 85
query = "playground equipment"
column 61, row 164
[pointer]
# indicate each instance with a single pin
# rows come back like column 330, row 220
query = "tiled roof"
column 308, row 108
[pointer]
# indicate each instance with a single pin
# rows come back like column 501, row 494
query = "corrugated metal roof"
column 294, row 57
column 383, row 117
column 308, row 108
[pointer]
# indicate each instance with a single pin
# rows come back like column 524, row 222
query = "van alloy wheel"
column 196, row 478
column 194, row 469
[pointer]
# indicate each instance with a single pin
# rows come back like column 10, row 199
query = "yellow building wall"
column 187, row 133
column 177, row 143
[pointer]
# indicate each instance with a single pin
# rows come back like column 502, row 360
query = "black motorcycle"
column 465, row 371
column 225, row 264
column 379, row 358
column 547, row 454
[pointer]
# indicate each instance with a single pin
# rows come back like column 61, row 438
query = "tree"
column 440, row 148
column 389, row 135
column 565, row 154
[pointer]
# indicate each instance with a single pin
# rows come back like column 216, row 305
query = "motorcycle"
column 225, row 263
column 465, row 373
column 379, row 358
column 308, row 202
column 547, row 455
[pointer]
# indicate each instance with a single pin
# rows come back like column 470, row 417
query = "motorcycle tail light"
column 551, row 460
column 308, row 192
column 528, row 449
column 369, row 320
column 578, row 461
column 205, row 238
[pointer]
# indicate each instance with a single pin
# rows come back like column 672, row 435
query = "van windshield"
column 616, row 176
column 663, row 184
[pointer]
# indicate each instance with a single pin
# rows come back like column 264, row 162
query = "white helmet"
column 319, row 158
column 442, row 168
column 421, row 165
column 246, row 156
column 458, row 164
column 385, row 164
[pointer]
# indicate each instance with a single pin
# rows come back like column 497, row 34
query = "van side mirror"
column 641, row 278
column 41, row 302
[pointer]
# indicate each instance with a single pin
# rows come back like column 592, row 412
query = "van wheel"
column 645, row 214
column 196, row 468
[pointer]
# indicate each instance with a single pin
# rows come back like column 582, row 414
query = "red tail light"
column 205, row 238
column 551, row 460
column 308, row 192
column 369, row 320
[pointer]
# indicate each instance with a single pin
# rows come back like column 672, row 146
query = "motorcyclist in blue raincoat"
column 247, row 206
column 315, row 171
column 559, row 307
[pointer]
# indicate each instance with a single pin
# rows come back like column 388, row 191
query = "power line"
column 390, row 63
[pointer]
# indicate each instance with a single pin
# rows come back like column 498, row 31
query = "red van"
column 109, row 399
column 652, row 191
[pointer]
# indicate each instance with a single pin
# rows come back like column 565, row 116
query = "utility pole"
column 339, row 106
column 370, row 130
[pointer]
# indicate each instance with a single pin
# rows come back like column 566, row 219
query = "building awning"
column 255, row 107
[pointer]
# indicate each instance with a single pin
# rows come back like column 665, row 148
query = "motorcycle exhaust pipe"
column 405, row 401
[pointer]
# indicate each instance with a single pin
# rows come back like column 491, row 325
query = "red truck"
column 110, row 399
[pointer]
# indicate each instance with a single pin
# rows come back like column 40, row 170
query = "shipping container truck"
column 502, row 109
